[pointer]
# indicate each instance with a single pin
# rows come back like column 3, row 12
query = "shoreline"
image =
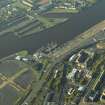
column 79, row 39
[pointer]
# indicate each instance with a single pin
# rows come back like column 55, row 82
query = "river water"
column 61, row 33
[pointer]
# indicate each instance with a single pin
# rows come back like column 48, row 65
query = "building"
column 45, row 7
column 101, row 45
column 28, row 3
column 85, row 59
column 51, row 103
column 93, row 96
column 42, row 2
column 102, row 98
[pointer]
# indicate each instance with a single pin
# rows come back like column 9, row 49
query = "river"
column 61, row 33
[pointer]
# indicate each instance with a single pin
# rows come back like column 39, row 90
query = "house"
column 93, row 96
column 45, row 7
column 72, row 74
column 43, row 2
column 28, row 3
column 102, row 98
column 100, row 45
column 71, row 91
column 81, row 88
column 50, row 98
column 73, row 58
column 18, row 58
column 51, row 103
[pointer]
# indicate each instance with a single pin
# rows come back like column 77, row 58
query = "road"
column 63, row 86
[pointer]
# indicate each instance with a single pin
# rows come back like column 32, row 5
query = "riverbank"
column 61, row 33
column 92, row 35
